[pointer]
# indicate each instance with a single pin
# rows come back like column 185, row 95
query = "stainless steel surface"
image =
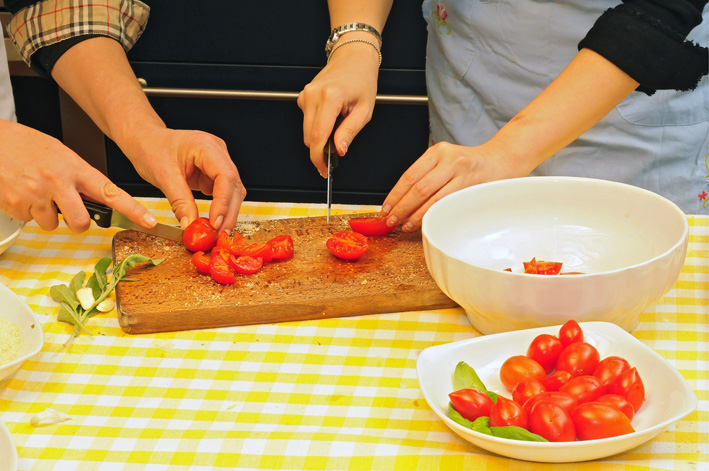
column 161, row 230
column 263, row 95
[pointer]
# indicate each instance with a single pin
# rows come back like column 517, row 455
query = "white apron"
column 7, row 104
column 487, row 59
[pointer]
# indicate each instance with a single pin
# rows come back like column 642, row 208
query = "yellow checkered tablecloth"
column 326, row 394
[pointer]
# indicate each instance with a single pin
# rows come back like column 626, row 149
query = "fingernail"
column 392, row 221
column 150, row 219
column 184, row 222
column 218, row 221
column 344, row 147
column 385, row 209
column 407, row 227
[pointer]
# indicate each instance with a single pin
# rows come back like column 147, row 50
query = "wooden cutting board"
column 391, row 277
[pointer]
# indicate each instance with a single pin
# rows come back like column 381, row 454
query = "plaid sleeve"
column 51, row 21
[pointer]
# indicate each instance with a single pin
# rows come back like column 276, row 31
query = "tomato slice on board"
column 262, row 251
column 200, row 236
column 219, row 268
column 370, row 226
column 347, row 245
column 281, row 247
column 245, row 264
column 202, row 261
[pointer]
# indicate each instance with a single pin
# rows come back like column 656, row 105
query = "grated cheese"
column 10, row 341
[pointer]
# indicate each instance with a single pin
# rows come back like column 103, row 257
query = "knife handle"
column 99, row 213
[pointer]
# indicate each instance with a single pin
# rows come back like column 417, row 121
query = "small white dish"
column 8, row 452
column 668, row 395
column 15, row 310
column 10, row 229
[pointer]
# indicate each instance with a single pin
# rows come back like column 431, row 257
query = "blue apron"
column 7, row 104
column 487, row 59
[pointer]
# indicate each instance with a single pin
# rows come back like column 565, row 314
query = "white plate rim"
column 8, row 463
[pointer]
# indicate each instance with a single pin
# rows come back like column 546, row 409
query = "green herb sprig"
column 71, row 310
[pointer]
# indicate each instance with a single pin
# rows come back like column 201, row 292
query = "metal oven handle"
column 263, row 95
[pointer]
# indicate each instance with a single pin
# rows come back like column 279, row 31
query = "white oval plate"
column 668, row 396
column 8, row 452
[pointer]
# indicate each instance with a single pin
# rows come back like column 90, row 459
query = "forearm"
column 97, row 75
column 585, row 91
column 371, row 12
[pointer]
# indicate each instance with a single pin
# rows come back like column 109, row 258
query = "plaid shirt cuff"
column 50, row 21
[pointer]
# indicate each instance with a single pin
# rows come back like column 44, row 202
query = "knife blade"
column 107, row 217
column 333, row 160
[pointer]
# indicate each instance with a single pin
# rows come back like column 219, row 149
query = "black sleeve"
column 647, row 40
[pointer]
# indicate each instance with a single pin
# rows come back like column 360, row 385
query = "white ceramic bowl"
column 8, row 452
column 15, row 310
column 668, row 397
column 10, row 228
column 629, row 243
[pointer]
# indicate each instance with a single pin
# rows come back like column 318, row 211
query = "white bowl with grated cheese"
column 21, row 335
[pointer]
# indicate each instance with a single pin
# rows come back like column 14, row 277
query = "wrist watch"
column 346, row 28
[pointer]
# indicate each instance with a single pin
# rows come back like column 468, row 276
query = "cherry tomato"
column 527, row 388
column 559, row 398
column 595, row 420
column 370, row 226
column 223, row 241
column 619, row 403
column 557, row 379
column 584, row 388
column 245, row 264
column 471, row 403
column 629, row 385
column 347, row 245
column 201, row 261
column 262, row 251
column 200, row 236
column 609, row 368
column 579, row 358
column 552, row 422
column 570, row 332
column 520, row 367
column 540, row 267
column 219, row 268
column 238, row 239
column 506, row 412
column 545, row 349
column 281, row 247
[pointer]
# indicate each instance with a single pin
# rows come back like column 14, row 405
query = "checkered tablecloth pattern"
column 337, row 394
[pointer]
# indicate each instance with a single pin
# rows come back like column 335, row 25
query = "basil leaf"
column 77, row 282
column 100, row 271
column 516, row 433
column 457, row 418
column 63, row 294
column 482, row 425
column 465, row 377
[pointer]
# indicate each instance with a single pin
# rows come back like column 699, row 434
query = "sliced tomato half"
column 540, row 267
column 281, row 247
column 245, row 264
column 370, row 226
column 347, row 245
column 201, row 261
column 219, row 268
column 262, row 251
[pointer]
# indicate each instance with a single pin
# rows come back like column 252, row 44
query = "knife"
column 107, row 217
column 333, row 160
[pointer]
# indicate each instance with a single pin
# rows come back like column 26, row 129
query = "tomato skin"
column 508, row 412
column 545, row 350
column 245, row 264
column 527, row 388
column 262, row 251
column 281, row 247
column 200, row 236
column 370, row 226
column 557, row 379
column 519, row 367
column 552, row 422
column 578, row 358
column 570, row 332
column 471, row 403
column 584, row 388
column 219, row 268
column 610, row 368
column 619, row 403
column 630, row 386
column 201, row 261
column 223, row 240
column 559, row 398
column 594, row 420
column 347, row 245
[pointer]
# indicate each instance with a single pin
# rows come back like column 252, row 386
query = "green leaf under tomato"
column 465, row 377
column 516, row 433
